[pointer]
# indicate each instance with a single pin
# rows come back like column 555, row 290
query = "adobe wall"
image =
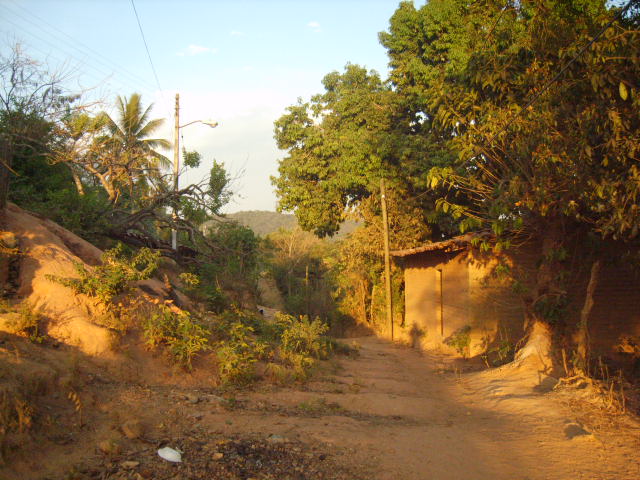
column 445, row 292
column 473, row 295
column 616, row 310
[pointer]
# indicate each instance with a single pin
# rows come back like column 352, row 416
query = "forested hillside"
column 264, row 222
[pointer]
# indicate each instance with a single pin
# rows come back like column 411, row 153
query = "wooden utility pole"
column 387, row 262
column 176, row 172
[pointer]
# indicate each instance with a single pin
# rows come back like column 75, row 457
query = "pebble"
column 276, row 439
column 129, row 464
column 192, row 398
column 109, row 446
column 132, row 429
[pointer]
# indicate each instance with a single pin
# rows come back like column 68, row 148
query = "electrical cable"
column 74, row 43
column 98, row 74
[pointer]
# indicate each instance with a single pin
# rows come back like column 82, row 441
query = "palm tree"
column 131, row 146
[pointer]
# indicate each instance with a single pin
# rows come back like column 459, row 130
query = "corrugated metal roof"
column 452, row 245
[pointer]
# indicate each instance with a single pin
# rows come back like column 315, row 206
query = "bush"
column 304, row 337
column 184, row 335
column 24, row 320
column 238, row 354
column 460, row 340
column 114, row 276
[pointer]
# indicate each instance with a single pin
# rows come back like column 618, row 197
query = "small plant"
column 189, row 280
column 26, row 321
column 238, row 354
column 460, row 340
column 114, row 276
column 304, row 337
column 183, row 334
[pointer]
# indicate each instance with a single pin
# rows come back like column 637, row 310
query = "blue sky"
column 238, row 62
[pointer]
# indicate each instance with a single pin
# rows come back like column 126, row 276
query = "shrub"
column 183, row 334
column 238, row 354
column 114, row 276
column 460, row 340
column 26, row 321
column 305, row 337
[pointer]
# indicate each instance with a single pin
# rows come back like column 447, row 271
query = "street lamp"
column 176, row 164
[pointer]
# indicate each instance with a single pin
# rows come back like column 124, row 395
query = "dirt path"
column 409, row 420
column 389, row 413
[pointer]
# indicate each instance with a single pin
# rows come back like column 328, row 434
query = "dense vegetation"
column 519, row 118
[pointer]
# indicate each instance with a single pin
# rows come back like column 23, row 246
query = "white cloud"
column 237, row 33
column 315, row 26
column 193, row 50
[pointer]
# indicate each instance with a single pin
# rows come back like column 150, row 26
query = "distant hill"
column 263, row 222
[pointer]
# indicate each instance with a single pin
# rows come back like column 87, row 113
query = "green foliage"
column 303, row 336
column 116, row 274
column 191, row 159
column 23, row 320
column 87, row 216
column 182, row 333
column 233, row 269
column 219, row 192
column 341, row 143
column 460, row 340
column 238, row 354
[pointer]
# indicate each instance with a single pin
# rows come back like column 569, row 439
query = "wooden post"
column 441, row 302
column 306, row 291
column 387, row 263
column 176, row 172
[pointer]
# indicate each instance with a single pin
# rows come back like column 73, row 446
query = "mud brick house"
column 451, row 289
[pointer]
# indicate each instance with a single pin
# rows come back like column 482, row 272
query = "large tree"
column 31, row 101
column 341, row 143
column 131, row 147
column 538, row 99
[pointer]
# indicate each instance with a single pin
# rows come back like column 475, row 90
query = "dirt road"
column 389, row 413
column 409, row 419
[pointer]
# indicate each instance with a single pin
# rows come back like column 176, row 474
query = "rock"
column 8, row 240
column 217, row 456
column 170, row 454
column 573, row 430
column 276, row 439
column 132, row 429
column 192, row 398
column 109, row 447
column 130, row 464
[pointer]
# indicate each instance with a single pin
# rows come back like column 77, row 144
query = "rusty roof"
column 452, row 245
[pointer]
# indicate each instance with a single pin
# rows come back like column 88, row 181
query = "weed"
column 238, row 354
column 502, row 351
column 24, row 320
column 77, row 404
column 319, row 406
column 304, row 337
column 114, row 276
column 183, row 334
column 460, row 340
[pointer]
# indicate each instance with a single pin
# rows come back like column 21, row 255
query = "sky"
column 240, row 63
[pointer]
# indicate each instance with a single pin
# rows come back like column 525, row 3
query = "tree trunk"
column 5, row 175
column 78, row 182
column 582, row 337
column 543, row 307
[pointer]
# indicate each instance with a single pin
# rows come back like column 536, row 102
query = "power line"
column 144, row 40
column 99, row 74
column 74, row 43
column 153, row 68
